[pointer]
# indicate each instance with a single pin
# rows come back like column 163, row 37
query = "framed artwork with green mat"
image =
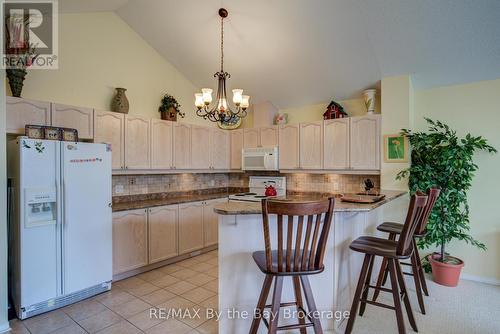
column 395, row 148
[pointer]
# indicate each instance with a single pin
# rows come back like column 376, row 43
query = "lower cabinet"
column 130, row 240
column 190, row 227
column 211, row 222
column 162, row 226
column 147, row 236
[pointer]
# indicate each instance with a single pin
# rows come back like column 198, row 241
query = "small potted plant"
column 440, row 158
column 169, row 108
column 20, row 53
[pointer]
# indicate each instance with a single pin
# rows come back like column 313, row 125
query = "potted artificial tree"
column 440, row 158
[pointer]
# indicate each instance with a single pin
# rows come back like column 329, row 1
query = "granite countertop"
column 248, row 208
column 124, row 203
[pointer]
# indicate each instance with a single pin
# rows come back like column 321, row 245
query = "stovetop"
column 258, row 186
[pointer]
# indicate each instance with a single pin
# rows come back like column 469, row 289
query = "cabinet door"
column 220, row 149
column 311, row 145
column 182, row 146
column 200, row 147
column 236, row 146
column 137, row 142
column 365, row 142
column 130, row 232
column 161, row 144
column 22, row 111
column 269, row 136
column 211, row 222
column 336, row 144
column 79, row 118
column 162, row 227
column 190, row 227
column 289, row 146
column 251, row 138
column 109, row 128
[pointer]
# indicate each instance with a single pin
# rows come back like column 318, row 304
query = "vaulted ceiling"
column 297, row 52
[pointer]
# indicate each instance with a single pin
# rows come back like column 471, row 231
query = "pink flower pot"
column 443, row 273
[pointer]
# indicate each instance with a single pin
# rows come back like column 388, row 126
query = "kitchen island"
column 240, row 281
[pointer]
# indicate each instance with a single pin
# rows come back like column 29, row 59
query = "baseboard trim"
column 480, row 279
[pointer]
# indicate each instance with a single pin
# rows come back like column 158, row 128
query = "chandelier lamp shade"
column 220, row 110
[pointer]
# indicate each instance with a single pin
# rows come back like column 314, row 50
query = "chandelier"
column 220, row 111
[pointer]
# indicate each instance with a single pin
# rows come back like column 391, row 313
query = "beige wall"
column 98, row 52
column 473, row 108
column 397, row 110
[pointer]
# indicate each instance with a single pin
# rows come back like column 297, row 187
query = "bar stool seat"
column 396, row 228
column 378, row 247
column 260, row 259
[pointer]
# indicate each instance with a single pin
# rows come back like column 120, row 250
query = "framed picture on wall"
column 395, row 148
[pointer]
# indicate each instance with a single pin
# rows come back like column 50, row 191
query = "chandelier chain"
column 222, row 44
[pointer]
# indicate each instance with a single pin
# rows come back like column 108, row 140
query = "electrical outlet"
column 131, row 180
column 336, row 186
column 119, row 189
column 212, row 183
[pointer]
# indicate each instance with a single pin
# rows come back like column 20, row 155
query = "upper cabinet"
column 219, row 149
column 269, row 136
column 79, row 118
column 236, row 147
column 137, row 147
column 311, row 145
column 200, row 147
column 289, row 136
column 182, row 146
column 162, row 133
column 251, row 138
column 336, row 144
column 109, row 128
column 22, row 111
column 365, row 142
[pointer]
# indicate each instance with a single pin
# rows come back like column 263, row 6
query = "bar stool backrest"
column 415, row 212
column 432, row 196
column 301, row 248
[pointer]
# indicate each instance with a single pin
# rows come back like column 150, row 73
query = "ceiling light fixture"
column 220, row 111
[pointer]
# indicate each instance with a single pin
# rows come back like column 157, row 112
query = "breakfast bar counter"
column 240, row 281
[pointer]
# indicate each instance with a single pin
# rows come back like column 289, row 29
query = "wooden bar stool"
column 395, row 229
column 392, row 251
column 299, row 253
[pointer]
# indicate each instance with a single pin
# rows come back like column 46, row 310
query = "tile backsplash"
column 147, row 184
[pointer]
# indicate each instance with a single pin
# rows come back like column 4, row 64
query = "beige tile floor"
column 190, row 284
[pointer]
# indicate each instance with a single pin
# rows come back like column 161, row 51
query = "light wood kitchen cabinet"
column 161, row 144
column 109, row 128
column 311, row 145
column 289, row 136
column 137, row 142
column 190, row 227
column 365, row 142
column 219, row 149
column 211, row 222
column 162, row 226
column 268, row 136
column 79, row 118
column 236, row 147
column 182, row 146
column 130, row 240
column 22, row 111
column 200, row 147
column 251, row 138
column 336, row 144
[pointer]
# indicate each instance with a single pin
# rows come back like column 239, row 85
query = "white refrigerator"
column 60, row 223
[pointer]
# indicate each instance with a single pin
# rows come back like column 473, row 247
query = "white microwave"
column 260, row 158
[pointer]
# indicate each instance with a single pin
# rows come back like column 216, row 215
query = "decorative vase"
column 369, row 97
column 446, row 274
column 169, row 115
column 16, row 78
column 120, row 101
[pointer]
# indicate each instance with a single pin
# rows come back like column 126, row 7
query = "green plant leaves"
column 440, row 158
